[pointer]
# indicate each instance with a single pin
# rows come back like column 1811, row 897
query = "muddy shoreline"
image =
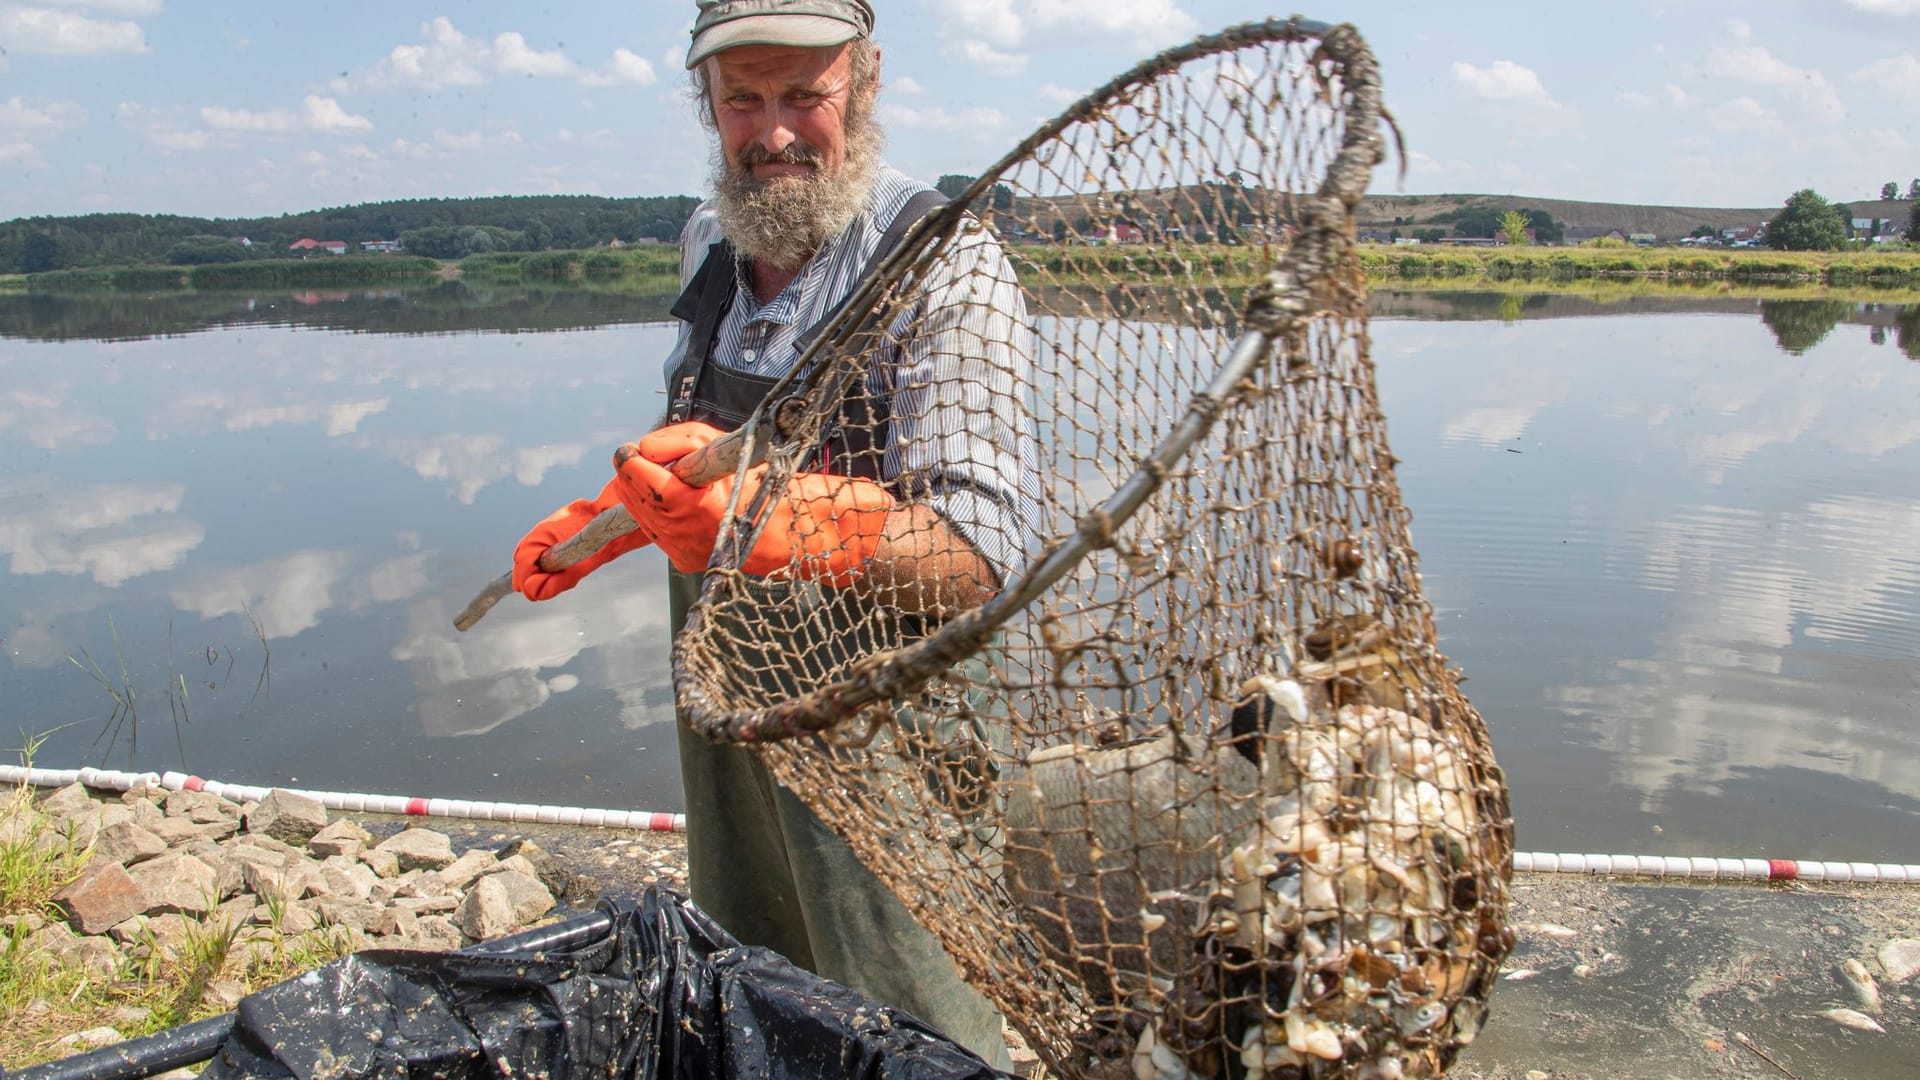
column 1611, row 977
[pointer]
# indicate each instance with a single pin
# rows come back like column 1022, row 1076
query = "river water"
column 1675, row 543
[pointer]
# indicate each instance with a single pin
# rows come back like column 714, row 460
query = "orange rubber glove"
column 536, row 584
column 824, row 529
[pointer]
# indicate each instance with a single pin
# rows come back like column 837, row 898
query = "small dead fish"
column 1860, row 981
column 1521, row 975
column 1547, row 929
column 1856, row 1020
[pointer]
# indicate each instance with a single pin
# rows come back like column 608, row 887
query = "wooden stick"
column 700, row 468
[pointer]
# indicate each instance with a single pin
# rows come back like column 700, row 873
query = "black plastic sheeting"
column 665, row 992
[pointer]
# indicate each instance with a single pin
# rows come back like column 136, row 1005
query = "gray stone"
column 427, row 905
column 433, row 932
column 282, row 883
column 501, row 903
column 146, row 813
column 545, row 866
column 464, row 870
column 341, row 837
column 67, row 802
column 287, row 816
column 95, row 957
column 199, row 807
column 175, row 883
column 419, row 849
column 369, row 918
column 384, row 864
column 178, row 830
column 167, row 933
column 267, row 843
column 102, row 896
column 231, row 871
column 127, row 843
column 82, row 1041
column 1900, row 959
column 50, row 939
column 347, row 878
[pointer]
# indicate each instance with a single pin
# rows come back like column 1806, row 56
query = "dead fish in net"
column 1113, row 851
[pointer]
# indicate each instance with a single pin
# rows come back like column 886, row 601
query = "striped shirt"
column 959, row 364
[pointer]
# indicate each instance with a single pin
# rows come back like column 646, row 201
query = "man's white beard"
column 782, row 221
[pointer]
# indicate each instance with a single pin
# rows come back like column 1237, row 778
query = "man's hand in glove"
column 824, row 528
column 536, row 584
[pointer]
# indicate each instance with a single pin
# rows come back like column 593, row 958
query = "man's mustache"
column 794, row 154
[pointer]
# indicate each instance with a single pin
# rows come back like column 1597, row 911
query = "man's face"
column 781, row 111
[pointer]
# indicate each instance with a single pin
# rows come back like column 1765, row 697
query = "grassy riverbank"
column 199, row 975
column 646, row 267
column 1542, row 266
column 262, row 273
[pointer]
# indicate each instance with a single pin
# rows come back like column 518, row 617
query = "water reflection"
column 1674, row 542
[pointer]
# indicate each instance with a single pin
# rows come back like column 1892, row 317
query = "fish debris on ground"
column 1853, row 973
column 1858, row 1021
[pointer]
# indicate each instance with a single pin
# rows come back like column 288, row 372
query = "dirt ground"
column 1611, row 978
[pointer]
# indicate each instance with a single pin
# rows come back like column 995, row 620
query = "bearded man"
column 930, row 508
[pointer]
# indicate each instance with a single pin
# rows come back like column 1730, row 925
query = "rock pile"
column 166, row 865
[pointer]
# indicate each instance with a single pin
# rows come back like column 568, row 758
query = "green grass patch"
column 46, row 1002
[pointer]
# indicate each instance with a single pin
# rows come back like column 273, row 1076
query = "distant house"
column 1641, row 239
column 306, row 246
column 381, row 246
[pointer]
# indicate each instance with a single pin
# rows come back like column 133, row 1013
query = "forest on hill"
column 438, row 228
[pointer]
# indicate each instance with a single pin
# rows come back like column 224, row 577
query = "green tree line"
column 451, row 228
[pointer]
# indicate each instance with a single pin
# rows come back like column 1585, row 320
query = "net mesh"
column 1194, row 793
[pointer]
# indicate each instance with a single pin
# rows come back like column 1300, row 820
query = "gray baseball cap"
column 808, row 23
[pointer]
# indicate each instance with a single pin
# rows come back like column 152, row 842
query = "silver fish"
column 1855, row 1020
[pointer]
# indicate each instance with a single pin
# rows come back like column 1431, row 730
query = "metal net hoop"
column 1194, row 792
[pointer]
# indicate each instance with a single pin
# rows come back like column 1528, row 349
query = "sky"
column 222, row 108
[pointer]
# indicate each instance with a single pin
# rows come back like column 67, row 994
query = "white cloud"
column 1886, row 7
column 1754, row 64
column 972, row 120
column 21, row 153
column 905, row 84
column 17, row 114
column 1743, row 114
column 1059, row 95
column 446, row 57
column 513, row 56
column 220, row 118
column 326, row 115
column 627, row 68
column 129, row 8
column 61, row 33
column 317, row 114
column 466, row 141
column 1504, row 80
column 1896, row 75
column 1670, row 96
column 989, row 33
column 985, row 56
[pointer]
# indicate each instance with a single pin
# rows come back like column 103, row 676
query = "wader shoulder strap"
column 710, row 293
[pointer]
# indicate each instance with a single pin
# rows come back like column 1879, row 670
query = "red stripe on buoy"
column 194, row 783
column 660, row 822
column 1782, row 870
column 417, row 806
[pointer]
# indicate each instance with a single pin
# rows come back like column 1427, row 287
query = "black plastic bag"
column 666, row 993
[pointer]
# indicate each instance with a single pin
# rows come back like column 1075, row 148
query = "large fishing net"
column 1195, row 793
